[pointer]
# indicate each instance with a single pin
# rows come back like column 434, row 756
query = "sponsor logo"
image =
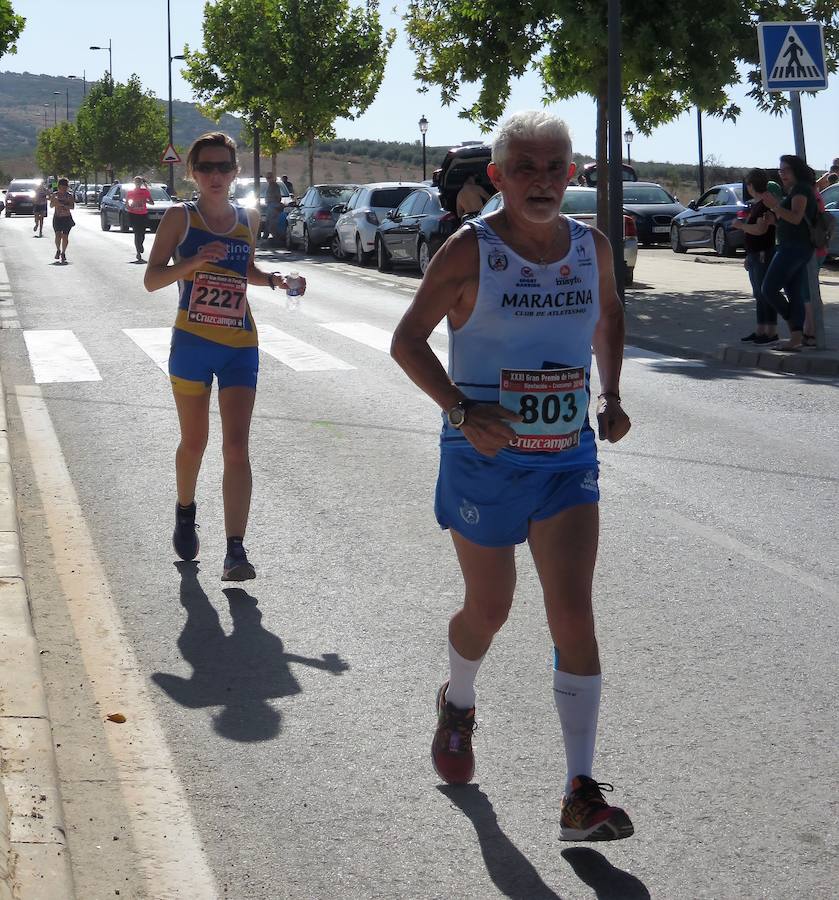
column 469, row 512
column 589, row 482
column 497, row 261
column 526, row 272
column 565, row 271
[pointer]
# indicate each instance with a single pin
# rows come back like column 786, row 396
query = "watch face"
column 457, row 416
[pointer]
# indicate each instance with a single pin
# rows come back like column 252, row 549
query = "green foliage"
column 58, row 151
column 11, row 26
column 121, row 127
column 289, row 67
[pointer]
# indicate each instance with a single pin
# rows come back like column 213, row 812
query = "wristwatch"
column 457, row 414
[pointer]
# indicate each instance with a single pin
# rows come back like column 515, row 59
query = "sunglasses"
column 225, row 168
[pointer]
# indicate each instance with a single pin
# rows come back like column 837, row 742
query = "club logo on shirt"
column 582, row 255
column 565, row 271
column 526, row 272
column 497, row 261
column 469, row 512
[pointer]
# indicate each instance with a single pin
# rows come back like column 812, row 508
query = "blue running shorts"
column 492, row 503
column 194, row 360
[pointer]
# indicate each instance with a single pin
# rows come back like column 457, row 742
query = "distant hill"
column 25, row 98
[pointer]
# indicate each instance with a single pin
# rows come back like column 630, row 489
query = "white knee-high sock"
column 462, row 672
column 577, row 699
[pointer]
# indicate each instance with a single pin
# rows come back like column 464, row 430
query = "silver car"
column 831, row 202
column 361, row 215
column 113, row 207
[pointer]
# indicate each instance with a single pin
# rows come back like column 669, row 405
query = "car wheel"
column 628, row 274
column 103, row 222
column 361, row 257
column 721, row 245
column 309, row 247
column 336, row 248
column 675, row 241
column 423, row 256
column 383, row 261
column 123, row 223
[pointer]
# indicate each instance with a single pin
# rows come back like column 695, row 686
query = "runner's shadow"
column 239, row 672
column 607, row 881
column 510, row 870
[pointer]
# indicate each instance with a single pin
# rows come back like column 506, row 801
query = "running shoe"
column 58, row 254
column 63, row 258
column 586, row 816
column 236, row 566
column 750, row 337
column 766, row 339
column 185, row 539
column 451, row 749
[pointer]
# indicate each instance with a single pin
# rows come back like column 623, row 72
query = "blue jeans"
column 788, row 270
column 757, row 263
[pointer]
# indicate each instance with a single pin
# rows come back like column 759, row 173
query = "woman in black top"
column 788, row 269
column 760, row 248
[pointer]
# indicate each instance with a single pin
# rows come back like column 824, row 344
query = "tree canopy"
column 58, row 151
column 289, row 67
column 121, row 127
column 11, row 25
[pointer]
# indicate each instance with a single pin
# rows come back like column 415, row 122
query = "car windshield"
column 645, row 193
column 157, row 193
column 389, row 198
column 20, row 185
column 579, row 202
column 336, row 193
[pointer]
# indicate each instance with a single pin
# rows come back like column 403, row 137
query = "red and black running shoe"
column 451, row 749
column 586, row 816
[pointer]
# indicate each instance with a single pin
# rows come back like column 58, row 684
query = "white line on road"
column 659, row 360
column 168, row 847
column 58, row 356
column 372, row 336
column 154, row 342
column 297, row 354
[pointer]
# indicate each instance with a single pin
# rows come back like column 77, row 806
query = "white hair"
column 529, row 124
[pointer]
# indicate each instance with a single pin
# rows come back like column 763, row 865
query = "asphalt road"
column 277, row 735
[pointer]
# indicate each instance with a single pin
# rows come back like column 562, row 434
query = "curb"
column 824, row 363
column 34, row 859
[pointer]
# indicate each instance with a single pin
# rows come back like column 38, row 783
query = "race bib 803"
column 218, row 300
column 553, row 404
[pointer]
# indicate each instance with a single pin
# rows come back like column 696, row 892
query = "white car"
column 361, row 215
column 580, row 203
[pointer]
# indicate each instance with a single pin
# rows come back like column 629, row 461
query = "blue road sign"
column 792, row 56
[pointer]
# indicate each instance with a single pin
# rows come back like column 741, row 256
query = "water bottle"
column 292, row 291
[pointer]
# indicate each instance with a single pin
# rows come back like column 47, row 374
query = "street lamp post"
column 177, row 56
column 110, row 57
column 423, row 127
column 628, row 136
column 84, row 81
column 55, row 107
column 46, row 107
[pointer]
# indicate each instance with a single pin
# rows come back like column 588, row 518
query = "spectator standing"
column 138, row 200
column 760, row 248
column 788, row 268
column 821, row 256
column 273, row 205
column 288, row 184
column 470, row 198
column 831, row 176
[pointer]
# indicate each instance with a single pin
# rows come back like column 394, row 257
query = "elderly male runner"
column 527, row 293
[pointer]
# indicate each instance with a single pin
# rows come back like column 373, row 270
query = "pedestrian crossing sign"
column 792, row 56
column 170, row 155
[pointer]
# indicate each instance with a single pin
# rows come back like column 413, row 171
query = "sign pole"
column 797, row 124
column 614, row 94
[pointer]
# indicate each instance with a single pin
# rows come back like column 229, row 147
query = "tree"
column 58, row 150
column 672, row 60
column 293, row 65
column 11, row 25
column 121, row 127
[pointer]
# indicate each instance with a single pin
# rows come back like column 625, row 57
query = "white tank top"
column 530, row 317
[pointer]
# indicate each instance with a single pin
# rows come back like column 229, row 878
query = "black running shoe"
column 236, row 565
column 185, row 539
column 749, row 338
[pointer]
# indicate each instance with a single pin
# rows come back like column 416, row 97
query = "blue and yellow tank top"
column 213, row 304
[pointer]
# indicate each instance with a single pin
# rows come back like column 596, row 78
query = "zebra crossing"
column 58, row 356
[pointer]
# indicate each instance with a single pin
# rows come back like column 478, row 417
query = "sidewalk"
column 703, row 306
column 34, row 862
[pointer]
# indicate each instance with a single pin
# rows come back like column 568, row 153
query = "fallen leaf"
column 119, row 718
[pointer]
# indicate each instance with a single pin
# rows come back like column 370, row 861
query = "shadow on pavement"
column 239, row 672
column 607, row 881
column 510, row 870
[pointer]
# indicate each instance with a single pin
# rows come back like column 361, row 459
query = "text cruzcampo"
column 541, row 301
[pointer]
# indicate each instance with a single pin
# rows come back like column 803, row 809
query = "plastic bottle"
column 293, row 290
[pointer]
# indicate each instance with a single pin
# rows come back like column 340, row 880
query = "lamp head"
column 423, row 125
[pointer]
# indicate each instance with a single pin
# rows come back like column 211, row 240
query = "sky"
column 56, row 43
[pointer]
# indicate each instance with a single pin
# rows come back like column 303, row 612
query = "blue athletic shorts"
column 194, row 360
column 492, row 503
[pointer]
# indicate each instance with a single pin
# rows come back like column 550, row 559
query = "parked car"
column 831, row 201
column 20, row 196
column 707, row 221
column 242, row 194
column 112, row 209
column 361, row 215
column 652, row 208
column 580, row 203
column 312, row 218
column 414, row 231
column 589, row 173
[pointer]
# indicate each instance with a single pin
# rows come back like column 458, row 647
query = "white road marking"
column 168, row 845
column 659, row 360
column 154, row 342
column 297, row 354
column 372, row 336
column 58, row 356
